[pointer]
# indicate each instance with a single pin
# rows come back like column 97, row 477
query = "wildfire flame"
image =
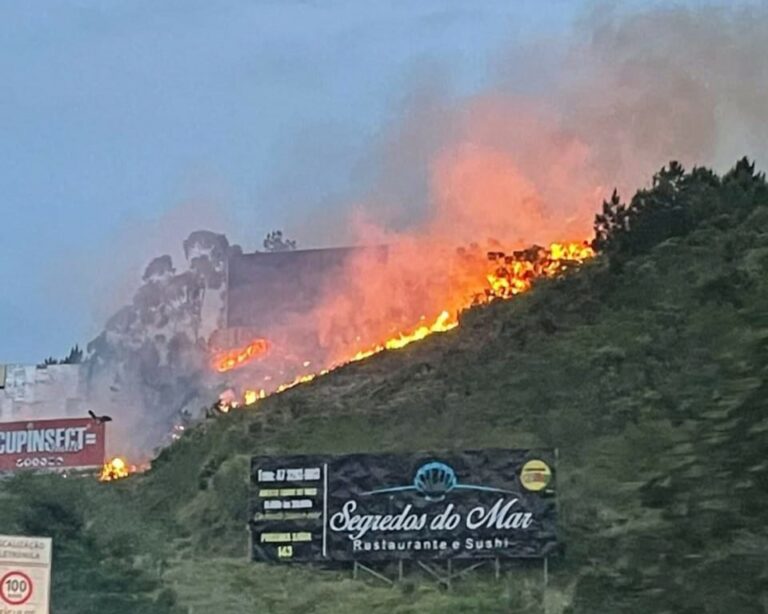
column 232, row 359
column 443, row 323
column 114, row 469
column 508, row 276
column 516, row 273
column 251, row 396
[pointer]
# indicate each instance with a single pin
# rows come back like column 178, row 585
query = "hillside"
column 646, row 369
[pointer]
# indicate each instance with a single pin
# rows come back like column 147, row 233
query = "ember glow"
column 114, row 469
column 233, row 359
column 516, row 273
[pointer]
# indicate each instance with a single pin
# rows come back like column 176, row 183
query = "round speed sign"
column 15, row 588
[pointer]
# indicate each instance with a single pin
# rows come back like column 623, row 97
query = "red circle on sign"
column 15, row 599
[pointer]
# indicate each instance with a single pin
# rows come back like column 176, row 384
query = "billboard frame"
column 325, row 539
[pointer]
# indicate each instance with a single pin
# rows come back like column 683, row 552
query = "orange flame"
column 509, row 276
column 516, row 273
column 251, row 396
column 232, row 359
column 443, row 323
column 115, row 469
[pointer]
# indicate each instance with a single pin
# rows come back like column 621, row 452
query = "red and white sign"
column 25, row 574
column 16, row 588
column 71, row 443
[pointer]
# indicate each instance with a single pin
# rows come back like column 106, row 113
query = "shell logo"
column 535, row 475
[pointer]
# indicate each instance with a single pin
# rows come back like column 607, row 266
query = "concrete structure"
column 264, row 289
column 54, row 391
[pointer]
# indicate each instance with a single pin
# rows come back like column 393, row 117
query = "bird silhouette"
column 99, row 419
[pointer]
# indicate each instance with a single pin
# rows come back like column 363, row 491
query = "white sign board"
column 25, row 574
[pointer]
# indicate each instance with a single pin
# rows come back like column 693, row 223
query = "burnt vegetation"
column 646, row 368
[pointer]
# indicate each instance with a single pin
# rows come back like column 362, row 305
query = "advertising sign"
column 25, row 574
column 368, row 507
column 73, row 443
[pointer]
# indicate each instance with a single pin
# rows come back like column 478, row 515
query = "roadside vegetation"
column 646, row 368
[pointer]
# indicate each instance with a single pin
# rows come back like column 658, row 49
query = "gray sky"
column 125, row 125
column 114, row 113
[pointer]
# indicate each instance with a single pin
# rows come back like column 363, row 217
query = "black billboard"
column 369, row 507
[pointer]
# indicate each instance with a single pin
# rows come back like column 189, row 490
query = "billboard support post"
column 357, row 566
column 445, row 580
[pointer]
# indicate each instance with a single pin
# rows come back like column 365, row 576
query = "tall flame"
column 232, row 359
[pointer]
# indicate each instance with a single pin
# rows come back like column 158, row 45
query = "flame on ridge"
column 510, row 275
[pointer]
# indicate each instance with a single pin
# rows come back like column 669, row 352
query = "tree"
column 676, row 203
column 611, row 224
column 75, row 356
column 274, row 242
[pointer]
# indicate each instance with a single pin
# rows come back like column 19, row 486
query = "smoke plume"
column 525, row 161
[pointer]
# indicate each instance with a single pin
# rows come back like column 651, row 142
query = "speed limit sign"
column 25, row 574
column 15, row 588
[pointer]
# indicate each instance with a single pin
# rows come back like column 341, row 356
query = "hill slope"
column 646, row 369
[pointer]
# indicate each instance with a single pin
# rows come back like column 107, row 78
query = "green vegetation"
column 647, row 369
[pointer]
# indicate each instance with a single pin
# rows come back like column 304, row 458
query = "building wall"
column 266, row 288
column 55, row 391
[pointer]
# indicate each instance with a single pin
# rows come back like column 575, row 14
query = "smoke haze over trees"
column 148, row 364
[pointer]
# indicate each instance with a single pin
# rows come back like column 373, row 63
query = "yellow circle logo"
column 535, row 475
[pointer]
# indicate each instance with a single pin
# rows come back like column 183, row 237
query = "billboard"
column 377, row 507
column 258, row 296
column 72, row 443
column 25, row 574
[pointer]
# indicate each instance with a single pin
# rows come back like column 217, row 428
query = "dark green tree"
column 676, row 203
column 612, row 224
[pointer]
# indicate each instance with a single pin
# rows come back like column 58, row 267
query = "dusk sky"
column 125, row 125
